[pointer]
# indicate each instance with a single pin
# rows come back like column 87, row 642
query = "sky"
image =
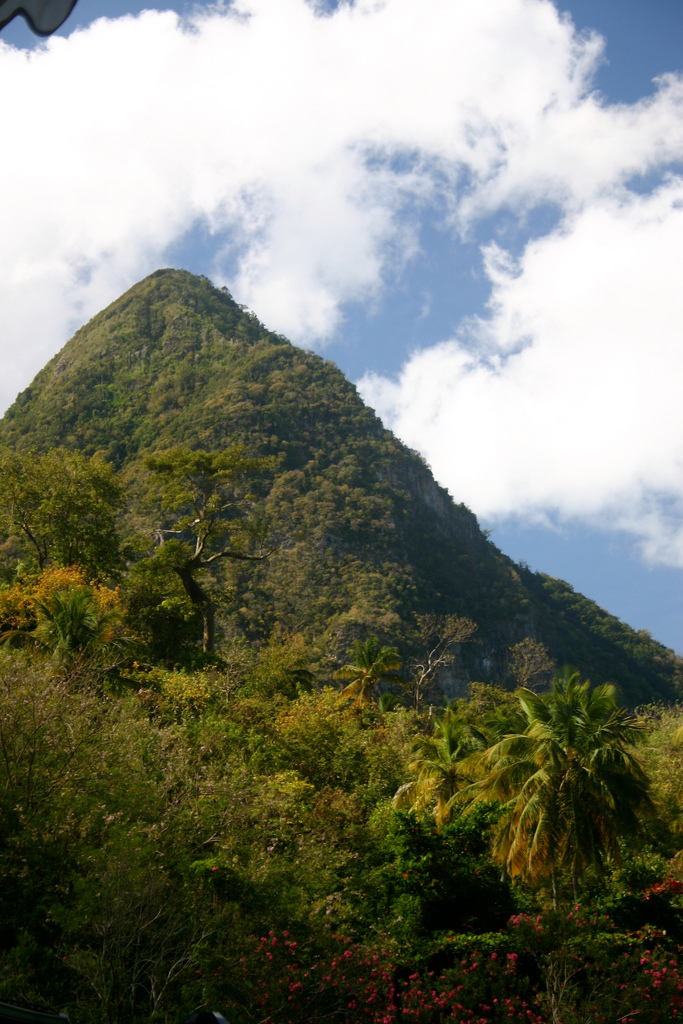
column 474, row 208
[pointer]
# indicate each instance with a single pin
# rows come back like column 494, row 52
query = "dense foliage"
column 204, row 536
column 63, row 507
column 175, row 839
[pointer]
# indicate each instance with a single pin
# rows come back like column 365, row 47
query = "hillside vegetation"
column 366, row 537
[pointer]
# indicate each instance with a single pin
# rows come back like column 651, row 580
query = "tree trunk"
column 553, row 879
column 202, row 602
column 504, row 872
column 42, row 555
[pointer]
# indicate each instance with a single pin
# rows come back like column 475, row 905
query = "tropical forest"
column 283, row 734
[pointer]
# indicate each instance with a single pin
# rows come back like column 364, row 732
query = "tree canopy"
column 63, row 508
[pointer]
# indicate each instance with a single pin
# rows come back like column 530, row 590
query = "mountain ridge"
column 370, row 537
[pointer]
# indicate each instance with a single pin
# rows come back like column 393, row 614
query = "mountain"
column 368, row 536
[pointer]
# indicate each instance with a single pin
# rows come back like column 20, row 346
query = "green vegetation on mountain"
column 188, row 825
column 365, row 538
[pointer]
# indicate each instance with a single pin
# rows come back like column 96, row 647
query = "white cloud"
column 259, row 120
column 301, row 141
column 566, row 400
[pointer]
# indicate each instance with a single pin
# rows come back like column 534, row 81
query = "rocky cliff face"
column 368, row 537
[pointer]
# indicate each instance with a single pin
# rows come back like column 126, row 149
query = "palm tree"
column 71, row 622
column 502, row 721
column 389, row 702
column 370, row 665
column 442, row 765
column 569, row 783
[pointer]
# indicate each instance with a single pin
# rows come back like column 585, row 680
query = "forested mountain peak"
column 141, row 358
column 367, row 537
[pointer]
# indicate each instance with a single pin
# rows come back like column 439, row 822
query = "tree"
column 502, row 720
column 209, row 490
column 63, row 506
column 436, row 635
column 370, row 664
column 442, row 764
column 530, row 664
column 159, row 612
column 569, row 783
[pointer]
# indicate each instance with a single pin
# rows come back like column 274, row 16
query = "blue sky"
column 473, row 209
